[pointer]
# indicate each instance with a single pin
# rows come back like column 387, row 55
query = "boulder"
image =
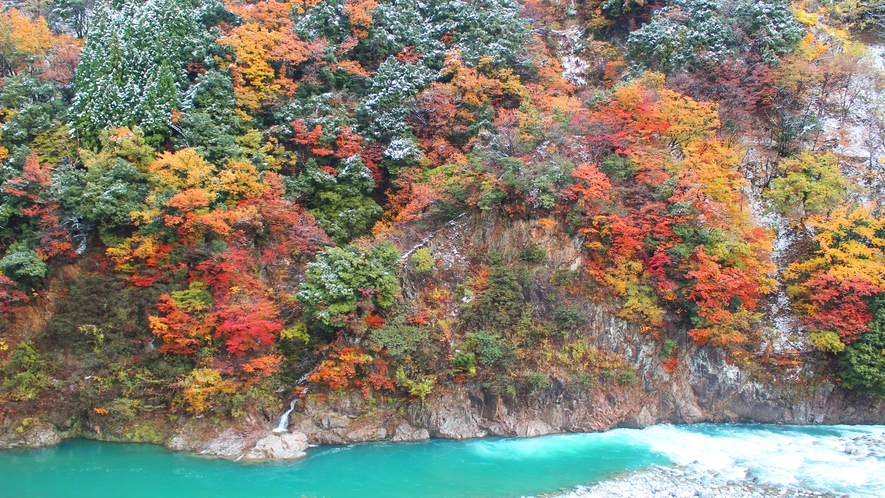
column 229, row 444
column 279, row 447
column 405, row 432
column 32, row 435
column 457, row 422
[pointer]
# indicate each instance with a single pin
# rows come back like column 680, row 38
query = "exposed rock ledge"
column 711, row 396
column 31, row 433
column 279, row 447
column 704, row 388
column 243, row 444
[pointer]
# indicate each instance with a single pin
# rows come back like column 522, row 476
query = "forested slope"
column 210, row 208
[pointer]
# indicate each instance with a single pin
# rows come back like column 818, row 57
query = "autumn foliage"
column 267, row 185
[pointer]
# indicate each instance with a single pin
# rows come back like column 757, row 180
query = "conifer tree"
column 131, row 72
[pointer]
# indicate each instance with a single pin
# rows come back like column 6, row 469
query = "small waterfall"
column 284, row 419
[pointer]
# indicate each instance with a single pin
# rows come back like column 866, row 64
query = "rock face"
column 344, row 420
column 250, row 442
column 31, row 434
column 229, row 443
column 279, row 447
column 702, row 387
column 450, row 418
column 405, row 432
column 705, row 389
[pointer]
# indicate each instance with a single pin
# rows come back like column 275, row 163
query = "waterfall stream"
column 284, row 419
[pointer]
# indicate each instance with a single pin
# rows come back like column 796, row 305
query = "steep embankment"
column 699, row 386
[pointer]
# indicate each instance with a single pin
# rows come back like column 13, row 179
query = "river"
column 830, row 459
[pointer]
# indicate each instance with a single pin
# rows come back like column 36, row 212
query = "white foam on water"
column 551, row 447
column 838, row 459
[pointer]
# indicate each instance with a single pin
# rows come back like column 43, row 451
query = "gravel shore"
column 678, row 483
column 692, row 481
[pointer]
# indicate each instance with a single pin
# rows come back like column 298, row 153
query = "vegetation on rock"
column 210, row 201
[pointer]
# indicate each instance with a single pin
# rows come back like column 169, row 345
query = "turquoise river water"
column 839, row 459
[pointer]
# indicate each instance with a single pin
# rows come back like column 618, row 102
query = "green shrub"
column 568, row 319
column 25, row 372
column 420, row 387
column 811, row 184
column 124, row 409
column 828, row 342
column 22, row 264
column 487, row 347
column 618, row 168
column 608, row 375
column 627, row 377
column 422, row 260
column 666, row 349
column 501, row 303
column 536, row 382
column 464, row 363
column 94, row 334
column 529, row 332
column 342, row 280
column 582, row 381
column 342, row 203
column 566, row 277
column 533, row 254
column 862, row 365
column 404, row 341
column 694, row 32
column 500, row 384
column 195, row 298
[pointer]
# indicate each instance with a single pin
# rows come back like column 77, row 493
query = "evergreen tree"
column 132, row 69
column 862, row 366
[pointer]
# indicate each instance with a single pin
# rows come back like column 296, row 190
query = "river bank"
column 677, row 483
column 697, row 384
column 731, row 462
column 716, row 394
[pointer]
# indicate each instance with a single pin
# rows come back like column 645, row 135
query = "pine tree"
column 131, row 71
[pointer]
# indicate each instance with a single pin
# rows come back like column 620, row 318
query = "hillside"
column 439, row 219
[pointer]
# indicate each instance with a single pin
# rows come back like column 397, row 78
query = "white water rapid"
column 738, row 461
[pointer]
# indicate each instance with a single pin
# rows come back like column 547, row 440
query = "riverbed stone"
column 279, row 447
column 677, row 483
column 230, row 443
column 405, row 432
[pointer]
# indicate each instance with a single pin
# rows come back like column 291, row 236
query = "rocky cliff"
column 698, row 384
